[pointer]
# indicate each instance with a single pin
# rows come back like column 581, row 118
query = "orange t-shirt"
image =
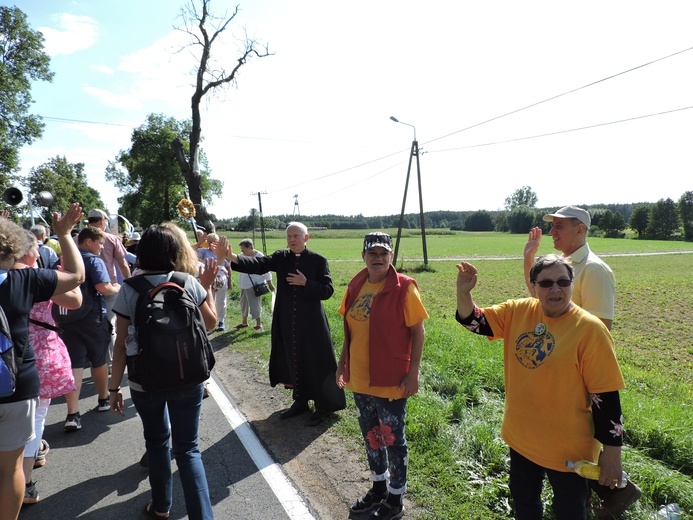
column 358, row 321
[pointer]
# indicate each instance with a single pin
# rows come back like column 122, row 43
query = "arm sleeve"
column 607, row 417
column 475, row 322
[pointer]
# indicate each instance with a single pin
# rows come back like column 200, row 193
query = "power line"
column 336, row 173
column 356, row 183
column 505, row 115
column 81, row 121
column 561, row 95
column 248, row 137
column 562, row 131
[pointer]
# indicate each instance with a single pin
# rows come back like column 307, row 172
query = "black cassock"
column 302, row 356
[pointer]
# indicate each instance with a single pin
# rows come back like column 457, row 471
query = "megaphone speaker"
column 12, row 196
column 44, row 198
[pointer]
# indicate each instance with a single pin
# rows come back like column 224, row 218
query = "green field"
column 458, row 462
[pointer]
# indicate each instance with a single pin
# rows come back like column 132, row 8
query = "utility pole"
column 297, row 210
column 262, row 221
column 414, row 153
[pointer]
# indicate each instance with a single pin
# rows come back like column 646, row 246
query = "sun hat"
column 571, row 212
column 98, row 213
column 379, row 239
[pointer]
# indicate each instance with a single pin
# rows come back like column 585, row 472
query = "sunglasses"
column 545, row 284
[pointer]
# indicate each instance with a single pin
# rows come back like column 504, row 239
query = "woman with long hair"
column 163, row 250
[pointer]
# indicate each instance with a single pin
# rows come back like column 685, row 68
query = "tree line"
column 661, row 220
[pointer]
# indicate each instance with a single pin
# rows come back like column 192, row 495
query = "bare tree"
column 204, row 29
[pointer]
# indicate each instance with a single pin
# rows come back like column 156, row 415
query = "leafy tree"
column 151, row 180
column 521, row 197
column 478, row 221
column 457, row 225
column 664, row 222
column 521, row 219
column 611, row 224
column 204, row 29
column 22, row 61
column 67, row 182
column 501, row 222
column 686, row 212
column 639, row 220
column 375, row 222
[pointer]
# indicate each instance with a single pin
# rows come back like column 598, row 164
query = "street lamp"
column 414, row 153
column 393, row 118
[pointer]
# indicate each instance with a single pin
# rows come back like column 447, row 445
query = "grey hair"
column 546, row 261
column 298, row 225
column 38, row 230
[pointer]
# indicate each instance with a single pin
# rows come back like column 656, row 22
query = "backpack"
column 44, row 259
column 174, row 350
column 62, row 315
column 8, row 358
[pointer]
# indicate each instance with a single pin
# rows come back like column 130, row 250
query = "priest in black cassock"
column 302, row 356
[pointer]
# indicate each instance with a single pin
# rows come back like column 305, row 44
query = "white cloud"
column 103, row 68
column 74, row 33
column 111, row 99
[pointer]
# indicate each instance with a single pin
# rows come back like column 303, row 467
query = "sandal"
column 149, row 511
column 241, row 326
column 367, row 502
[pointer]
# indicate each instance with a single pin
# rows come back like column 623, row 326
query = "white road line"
column 281, row 486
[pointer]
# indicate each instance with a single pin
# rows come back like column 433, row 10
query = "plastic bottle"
column 669, row 511
column 590, row 470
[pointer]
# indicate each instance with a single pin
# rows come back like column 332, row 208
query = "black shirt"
column 18, row 293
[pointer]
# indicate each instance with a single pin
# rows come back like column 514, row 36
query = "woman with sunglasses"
column 561, row 383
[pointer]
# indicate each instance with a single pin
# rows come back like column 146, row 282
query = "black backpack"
column 44, row 259
column 174, row 350
column 9, row 364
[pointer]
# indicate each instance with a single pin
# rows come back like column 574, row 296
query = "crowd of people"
column 71, row 304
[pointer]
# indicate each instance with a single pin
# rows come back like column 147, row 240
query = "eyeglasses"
column 545, row 284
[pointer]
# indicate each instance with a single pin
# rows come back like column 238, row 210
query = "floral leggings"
column 382, row 424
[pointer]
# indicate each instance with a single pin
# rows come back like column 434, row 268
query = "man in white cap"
column 113, row 254
column 595, row 291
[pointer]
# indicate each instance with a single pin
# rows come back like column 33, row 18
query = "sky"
column 585, row 102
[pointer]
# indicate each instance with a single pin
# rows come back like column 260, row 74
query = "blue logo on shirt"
column 532, row 349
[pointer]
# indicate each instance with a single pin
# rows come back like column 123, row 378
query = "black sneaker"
column 368, row 501
column 73, row 422
column 104, row 405
column 31, row 496
column 387, row 511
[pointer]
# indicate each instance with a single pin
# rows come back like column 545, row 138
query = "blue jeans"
column 182, row 409
column 570, row 490
column 382, row 425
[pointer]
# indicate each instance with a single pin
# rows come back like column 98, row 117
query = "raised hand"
column 63, row 225
column 466, row 277
column 208, row 273
column 223, row 248
column 533, row 242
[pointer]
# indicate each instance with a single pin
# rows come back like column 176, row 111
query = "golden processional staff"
column 186, row 210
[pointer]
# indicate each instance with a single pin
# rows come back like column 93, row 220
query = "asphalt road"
column 94, row 473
